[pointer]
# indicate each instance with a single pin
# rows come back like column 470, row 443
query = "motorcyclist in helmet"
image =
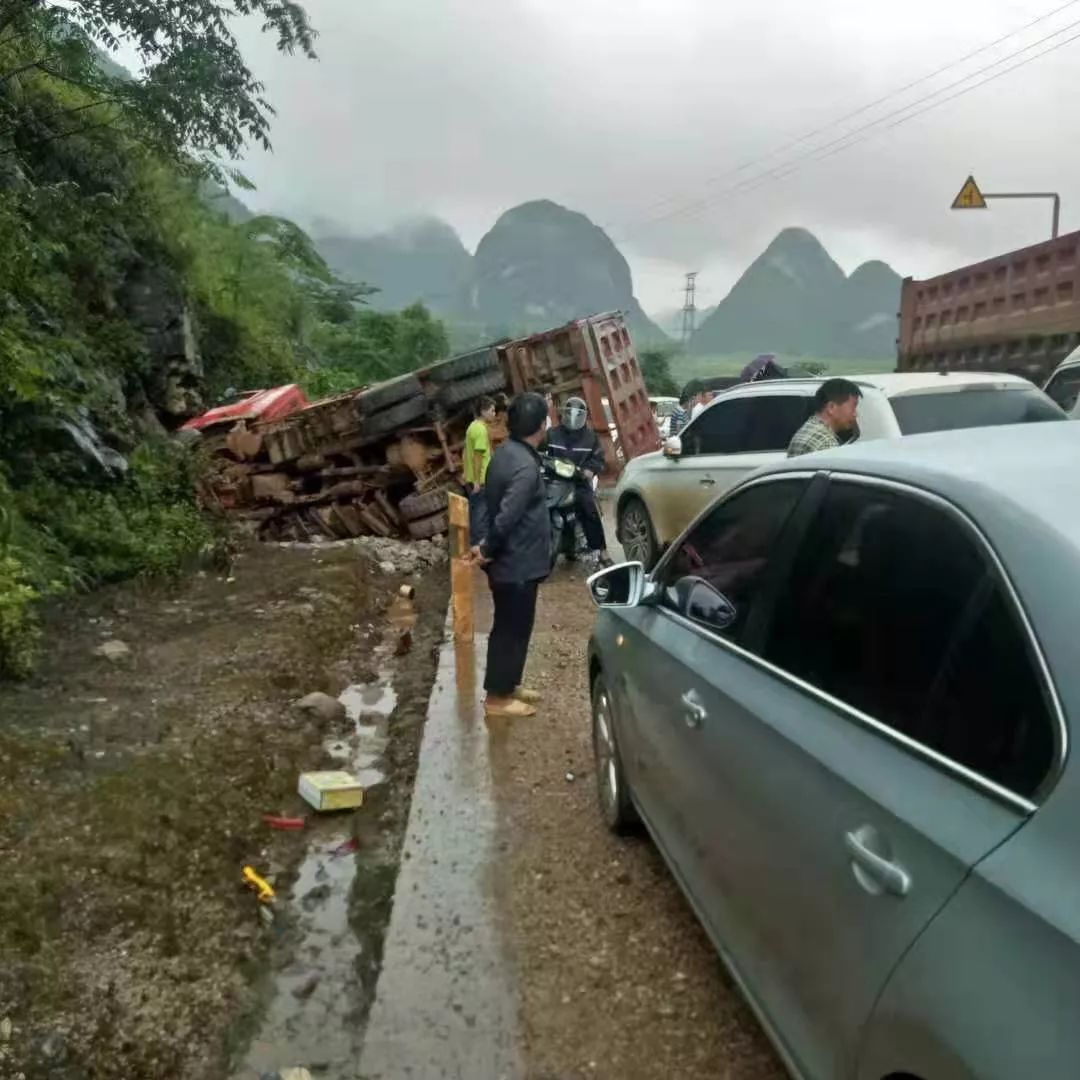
column 573, row 439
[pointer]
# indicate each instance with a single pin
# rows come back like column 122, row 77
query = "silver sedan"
column 841, row 704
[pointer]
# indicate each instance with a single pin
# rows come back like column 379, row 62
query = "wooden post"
column 461, row 571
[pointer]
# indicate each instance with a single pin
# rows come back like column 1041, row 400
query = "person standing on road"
column 705, row 399
column 516, row 554
column 680, row 415
column 836, row 407
column 474, row 466
column 575, row 441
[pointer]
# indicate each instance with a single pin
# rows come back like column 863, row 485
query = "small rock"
column 112, row 651
column 570, row 778
column 388, row 568
column 307, row 987
column 5, row 1029
column 294, row 1074
column 321, row 705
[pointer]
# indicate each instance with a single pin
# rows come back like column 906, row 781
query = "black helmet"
column 574, row 414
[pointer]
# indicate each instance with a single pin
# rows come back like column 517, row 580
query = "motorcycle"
column 562, row 478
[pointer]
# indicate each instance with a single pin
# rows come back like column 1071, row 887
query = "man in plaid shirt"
column 836, row 406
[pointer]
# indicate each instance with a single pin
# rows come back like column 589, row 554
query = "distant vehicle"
column 1064, row 385
column 662, row 408
column 752, row 424
column 252, row 405
column 842, row 705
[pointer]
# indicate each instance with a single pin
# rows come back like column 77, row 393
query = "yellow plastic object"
column 263, row 886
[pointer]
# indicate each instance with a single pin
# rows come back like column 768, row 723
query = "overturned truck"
column 380, row 460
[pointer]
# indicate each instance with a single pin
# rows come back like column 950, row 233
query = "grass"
column 686, row 367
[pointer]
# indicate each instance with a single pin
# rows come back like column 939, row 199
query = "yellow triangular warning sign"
column 970, row 197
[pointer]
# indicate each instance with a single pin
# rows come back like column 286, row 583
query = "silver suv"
column 750, row 426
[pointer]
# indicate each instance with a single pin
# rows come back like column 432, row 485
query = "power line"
column 849, row 139
column 861, row 110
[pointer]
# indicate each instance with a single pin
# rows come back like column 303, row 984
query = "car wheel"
column 636, row 533
column 616, row 806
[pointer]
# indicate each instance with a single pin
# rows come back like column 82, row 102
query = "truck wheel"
column 461, row 367
column 383, row 395
column 427, row 527
column 635, row 532
column 458, row 393
column 413, row 507
column 386, row 421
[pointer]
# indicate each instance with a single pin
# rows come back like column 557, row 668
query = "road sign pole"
column 1056, row 219
column 971, row 198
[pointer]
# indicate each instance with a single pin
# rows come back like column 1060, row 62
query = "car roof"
column 890, row 383
column 1031, row 468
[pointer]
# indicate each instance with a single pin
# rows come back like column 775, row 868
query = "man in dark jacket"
column 516, row 553
column 574, row 440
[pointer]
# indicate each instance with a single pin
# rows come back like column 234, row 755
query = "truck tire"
column 383, row 395
column 414, row 507
column 427, row 527
column 461, row 367
column 386, row 421
column 458, row 393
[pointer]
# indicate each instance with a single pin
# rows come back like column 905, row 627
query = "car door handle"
column 890, row 876
column 708, row 481
column 694, row 713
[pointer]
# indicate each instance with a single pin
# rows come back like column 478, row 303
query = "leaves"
column 194, row 96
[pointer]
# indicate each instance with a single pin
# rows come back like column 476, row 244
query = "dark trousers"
column 589, row 516
column 478, row 517
column 508, row 645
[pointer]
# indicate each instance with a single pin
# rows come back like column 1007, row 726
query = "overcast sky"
column 624, row 109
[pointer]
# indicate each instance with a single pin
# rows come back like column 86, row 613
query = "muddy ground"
column 618, row 980
column 132, row 793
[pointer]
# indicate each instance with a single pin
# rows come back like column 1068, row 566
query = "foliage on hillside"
column 656, row 371
column 126, row 304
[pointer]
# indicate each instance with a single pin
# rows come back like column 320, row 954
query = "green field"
column 686, row 367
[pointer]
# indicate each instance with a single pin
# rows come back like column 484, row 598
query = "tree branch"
column 57, row 136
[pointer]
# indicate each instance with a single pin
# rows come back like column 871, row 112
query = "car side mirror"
column 618, row 586
column 673, row 447
column 700, row 602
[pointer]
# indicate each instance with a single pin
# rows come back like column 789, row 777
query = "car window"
column 954, row 409
column 728, row 550
column 720, row 429
column 775, row 419
column 893, row 608
column 747, row 425
column 1064, row 388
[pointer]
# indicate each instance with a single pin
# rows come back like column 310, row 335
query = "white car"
column 750, row 426
column 1064, row 385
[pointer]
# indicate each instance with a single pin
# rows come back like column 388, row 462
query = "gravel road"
column 618, row 979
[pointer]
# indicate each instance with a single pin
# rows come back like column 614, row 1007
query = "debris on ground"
column 326, row 708
column 327, row 791
column 380, row 460
column 264, row 889
column 113, row 651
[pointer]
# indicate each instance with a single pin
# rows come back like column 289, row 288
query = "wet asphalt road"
column 526, row 941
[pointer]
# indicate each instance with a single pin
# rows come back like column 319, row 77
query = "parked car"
column 1064, row 385
column 842, row 704
column 751, row 425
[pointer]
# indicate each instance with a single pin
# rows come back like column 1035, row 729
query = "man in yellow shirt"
column 476, row 458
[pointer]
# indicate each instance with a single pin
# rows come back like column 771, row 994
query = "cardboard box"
column 331, row 790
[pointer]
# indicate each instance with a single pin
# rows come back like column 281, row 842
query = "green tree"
column 656, row 371
column 194, row 94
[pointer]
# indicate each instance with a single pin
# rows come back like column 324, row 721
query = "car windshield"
column 982, row 407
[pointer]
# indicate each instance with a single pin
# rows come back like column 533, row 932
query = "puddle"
column 308, row 1022
column 371, row 702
